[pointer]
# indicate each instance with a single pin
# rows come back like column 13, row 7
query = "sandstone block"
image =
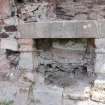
column 26, row 61
column 25, row 44
column 10, row 44
column 4, row 8
column 98, row 95
column 10, row 91
column 100, row 63
column 100, row 47
column 79, row 92
column 29, row 76
column 48, row 95
column 99, row 82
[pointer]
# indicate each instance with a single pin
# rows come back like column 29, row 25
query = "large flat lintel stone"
column 62, row 29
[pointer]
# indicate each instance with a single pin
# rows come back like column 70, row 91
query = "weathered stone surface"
column 4, row 67
column 98, row 90
column 4, row 8
column 4, row 35
column 11, row 21
column 100, row 63
column 34, row 12
column 69, row 9
column 59, row 29
column 80, row 17
column 7, row 91
column 25, row 45
column 101, row 27
column 100, row 55
column 10, row 28
column 10, row 91
column 35, row 60
column 100, row 48
column 13, row 58
column 99, row 82
column 29, row 76
column 58, row 68
column 98, row 95
column 48, row 95
column 26, row 61
column 70, row 44
column 82, row 92
column 78, row 102
column 9, row 44
column 24, row 81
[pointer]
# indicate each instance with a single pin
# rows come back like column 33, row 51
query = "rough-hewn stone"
column 4, row 35
column 81, row 92
column 45, row 95
column 98, row 95
column 10, row 28
column 25, row 45
column 78, row 102
column 4, row 8
column 26, row 61
column 9, row 43
column 99, row 63
column 60, row 29
column 99, row 82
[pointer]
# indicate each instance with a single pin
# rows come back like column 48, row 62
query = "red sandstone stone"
column 2, row 22
column 4, row 8
column 25, row 41
column 25, row 44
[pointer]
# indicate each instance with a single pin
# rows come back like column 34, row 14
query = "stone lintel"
column 63, row 29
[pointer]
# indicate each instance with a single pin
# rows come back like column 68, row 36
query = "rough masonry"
column 52, row 52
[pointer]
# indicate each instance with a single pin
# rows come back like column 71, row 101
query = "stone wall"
column 40, row 70
column 50, row 71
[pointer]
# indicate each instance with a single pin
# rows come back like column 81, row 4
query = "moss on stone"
column 6, row 102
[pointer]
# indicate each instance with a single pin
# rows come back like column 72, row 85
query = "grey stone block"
column 26, row 61
column 100, row 63
column 60, row 29
column 10, row 44
column 82, row 92
column 48, row 95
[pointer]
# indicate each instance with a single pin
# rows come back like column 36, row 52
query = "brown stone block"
column 4, row 64
column 4, row 8
column 25, row 41
column 25, row 44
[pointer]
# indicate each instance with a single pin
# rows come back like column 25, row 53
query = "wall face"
column 75, row 10
column 81, row 10
column 50, row 71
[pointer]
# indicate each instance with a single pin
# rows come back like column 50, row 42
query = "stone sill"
column 63, row 29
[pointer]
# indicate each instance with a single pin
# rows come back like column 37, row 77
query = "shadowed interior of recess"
column 65, row 61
